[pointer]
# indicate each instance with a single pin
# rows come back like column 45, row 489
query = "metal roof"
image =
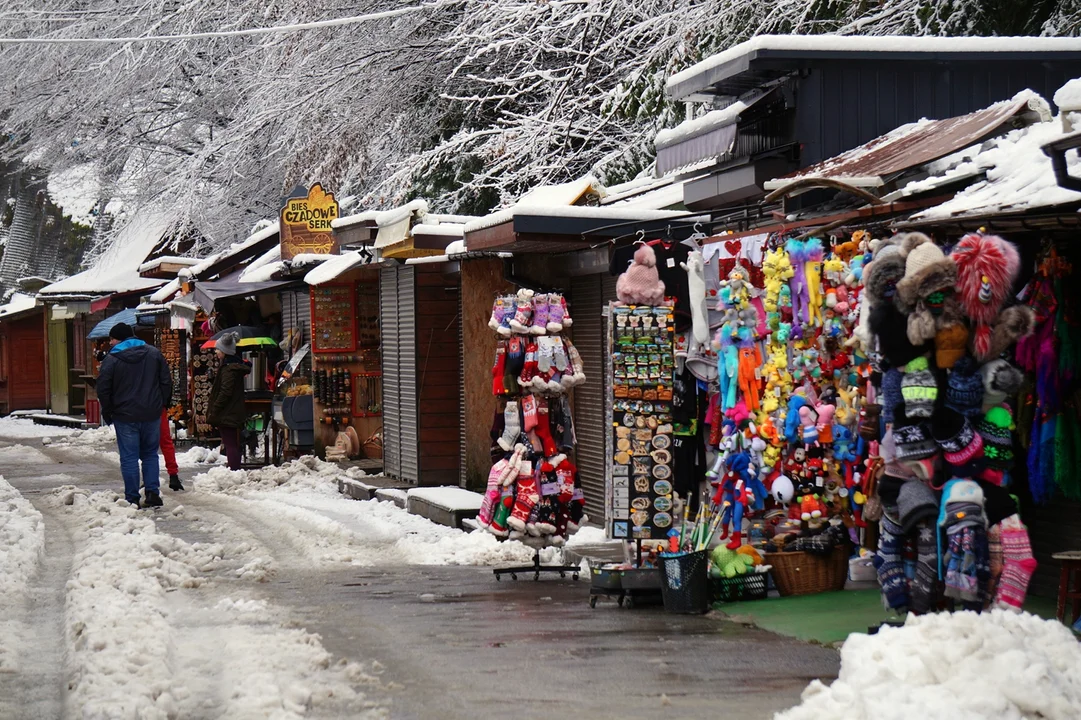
column 910, row 146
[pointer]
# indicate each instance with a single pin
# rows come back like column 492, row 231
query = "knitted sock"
column 555, row 312
column 498, row 527
column 567, row 321
column 525, row 497
column 562, row 424
column 994, row 552
column 512, row 428
column 514, row 363
column 924, row 585
column 523, row 315
column 559, row 353
column 540, row 315
column 491, row 495
column 1018, row 564
column 545, row 355
column 529, row 367
column 499, row 368
column 543, row 427
column 529, row 412
column 890, row 566
column 499, row 311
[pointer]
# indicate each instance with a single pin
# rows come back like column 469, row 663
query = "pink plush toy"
column 640, row 284
column 825, row 423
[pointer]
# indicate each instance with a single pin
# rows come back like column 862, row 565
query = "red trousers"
column 167, row 447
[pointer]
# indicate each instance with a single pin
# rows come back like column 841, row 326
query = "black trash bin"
column 685, row 586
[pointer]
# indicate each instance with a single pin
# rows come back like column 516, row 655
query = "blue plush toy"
column 843, row 444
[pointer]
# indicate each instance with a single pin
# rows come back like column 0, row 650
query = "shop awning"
column 207, row 293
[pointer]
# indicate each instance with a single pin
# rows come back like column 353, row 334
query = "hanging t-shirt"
column 669, row 256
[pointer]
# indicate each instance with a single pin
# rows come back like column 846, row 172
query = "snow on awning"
column 18, row 304
column 235, row 254
column 338, row 265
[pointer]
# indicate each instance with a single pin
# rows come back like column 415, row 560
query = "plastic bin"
column 685, row 582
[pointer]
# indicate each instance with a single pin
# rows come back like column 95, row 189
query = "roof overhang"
column 536, row 233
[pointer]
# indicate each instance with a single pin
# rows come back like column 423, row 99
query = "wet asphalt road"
column 452, row 642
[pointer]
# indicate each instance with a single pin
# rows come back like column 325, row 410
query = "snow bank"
column 24, row 428
column 300, row 501
column 960, row 666
column 22, row 545
column 22, row 455
column 137, row 640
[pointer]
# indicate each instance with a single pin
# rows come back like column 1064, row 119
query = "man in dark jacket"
column 134, row 388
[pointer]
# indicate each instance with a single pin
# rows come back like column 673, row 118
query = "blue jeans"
column 138, row 441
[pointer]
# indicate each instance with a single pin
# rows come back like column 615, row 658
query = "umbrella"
column 101, row 330
column 249, row 337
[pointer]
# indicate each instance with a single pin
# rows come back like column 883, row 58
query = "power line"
column 226, row 33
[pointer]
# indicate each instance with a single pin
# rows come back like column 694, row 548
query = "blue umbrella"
column 101, row 330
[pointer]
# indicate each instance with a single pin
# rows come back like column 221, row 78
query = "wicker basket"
column 373, row 446
column 803, row 573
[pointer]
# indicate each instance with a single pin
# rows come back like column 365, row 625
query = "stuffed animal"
column 640, row 284
column 729, row 563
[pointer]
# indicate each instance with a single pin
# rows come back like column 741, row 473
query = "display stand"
column 536, row 568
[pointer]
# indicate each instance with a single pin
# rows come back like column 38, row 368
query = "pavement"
column 452, row 642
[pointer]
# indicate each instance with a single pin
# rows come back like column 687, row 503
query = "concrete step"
column 367, row 487
column 448, row 506
column 394, row 495
column 62, row 421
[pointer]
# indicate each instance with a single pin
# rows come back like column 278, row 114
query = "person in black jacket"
column 134, row 387
column 226, row 409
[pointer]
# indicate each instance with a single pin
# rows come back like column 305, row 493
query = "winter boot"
column 175, row 484
column 153, row 499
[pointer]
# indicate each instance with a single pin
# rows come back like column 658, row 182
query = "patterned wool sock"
column 1018, row 564
column 924, row 586
column 890, row 566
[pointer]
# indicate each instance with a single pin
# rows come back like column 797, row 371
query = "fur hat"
column 1012, row 324
column 1001, row 380
column 880, row 277
column 640, row 284
column 927, row 270
column 986, row 266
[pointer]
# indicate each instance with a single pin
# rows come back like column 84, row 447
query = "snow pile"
column 960, row 666
column 137, row 647
column 22, row 544
column 24, row 428
column 99, row 436
column 198, row 456
column 22, row 455
column 300, row 502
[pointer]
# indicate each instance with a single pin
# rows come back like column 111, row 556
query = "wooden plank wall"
column 438, row 365
column 27, row 380
column 482, row 280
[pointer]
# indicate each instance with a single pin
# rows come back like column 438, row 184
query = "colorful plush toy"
column 737, row 491
column 729, row 563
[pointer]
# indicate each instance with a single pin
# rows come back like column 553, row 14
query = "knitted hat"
column 889, row 488
column 1000, row 381
column 919, row 388
column 927, row 270
column 121, row 331
column 962, row 446
column 950, row 344
column 959, row 490
column 986, row 266
column 998, row 503
column 881, row 275
column 997, row 442
column 227, row 343
column 964, row 388
column 891, row 394
column 915, row 503
column 914, row 442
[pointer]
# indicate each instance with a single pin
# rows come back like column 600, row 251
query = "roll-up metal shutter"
column 296, row 313
column 589, row 416
column 407, row 371
column 388, row 332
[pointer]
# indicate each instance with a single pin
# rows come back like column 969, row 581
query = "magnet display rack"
column 641, row 367
column 171, row 344
column 334, row 319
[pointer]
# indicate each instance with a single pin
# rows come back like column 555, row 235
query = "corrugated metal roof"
column 916, row 144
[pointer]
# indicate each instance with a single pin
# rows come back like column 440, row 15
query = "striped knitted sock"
column 924, row 586
column 1018, row 564
column 994, row 551
column 890, row 566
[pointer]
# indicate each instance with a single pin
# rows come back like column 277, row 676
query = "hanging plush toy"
column 640, row 284
column 739, row 490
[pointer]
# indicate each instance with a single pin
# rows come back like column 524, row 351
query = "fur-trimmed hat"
column 927, row 270
column 1001, row 380
column 880, row 277
column 1012, row 324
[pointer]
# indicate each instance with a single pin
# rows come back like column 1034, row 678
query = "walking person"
column 134, row 389
column 226, row 410
column 168, row 451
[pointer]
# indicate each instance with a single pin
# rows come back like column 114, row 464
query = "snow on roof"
column 699, row 126
column 117, row 269
column 658, row 198
column 234, row 249
column 456, row 247
column 562, row 194
column 166, row 291
column 383, row 218
column 336, row 265
column 882, row 44
column 17, row 304
column 1018, row 176
column 309, row 258
column 263, row 267
column 1068, row 97
column 614, row 212
column 444, row 218
column 171, row 259
column 447, row 229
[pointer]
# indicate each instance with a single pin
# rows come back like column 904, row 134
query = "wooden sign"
column 305, row 224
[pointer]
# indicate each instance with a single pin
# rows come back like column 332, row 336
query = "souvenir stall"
column 346, row 379
column 533, row 493
column 735, row 396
